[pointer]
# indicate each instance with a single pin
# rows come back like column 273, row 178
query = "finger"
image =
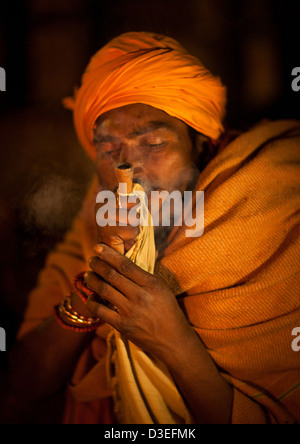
column 117, row 244
column 114, row 241
column 104, row 290
column 123, row 265
column 113, row 277
column 103, row 312
column 116, row 237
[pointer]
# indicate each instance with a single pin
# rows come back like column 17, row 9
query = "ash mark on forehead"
column 105, row 124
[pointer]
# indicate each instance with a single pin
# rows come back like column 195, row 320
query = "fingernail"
column 85, row 275
column 91, row 260
column 98, row 248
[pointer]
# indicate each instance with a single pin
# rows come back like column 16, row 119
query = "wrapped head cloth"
column 155, row 70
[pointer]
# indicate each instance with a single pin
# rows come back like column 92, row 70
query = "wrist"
column 69, row 319
column 178, row 351
column 76, row 307
column 79, row 306
column 72, row 313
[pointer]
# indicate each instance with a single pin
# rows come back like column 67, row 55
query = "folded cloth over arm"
column 238, row 283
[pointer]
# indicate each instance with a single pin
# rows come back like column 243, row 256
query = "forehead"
column 132, row 117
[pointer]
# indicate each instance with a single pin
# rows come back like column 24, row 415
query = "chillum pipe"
column 124, row 173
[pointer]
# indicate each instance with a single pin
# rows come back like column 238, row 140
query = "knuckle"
column 143, row 302
column 126, row 266
column 125, row 326
column 110, row 274
column 102, row 289
column 154, row 282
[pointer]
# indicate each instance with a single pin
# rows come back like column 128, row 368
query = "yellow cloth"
column 143, row 251
column 143, row 389
column 150, row 69
column 238, row 283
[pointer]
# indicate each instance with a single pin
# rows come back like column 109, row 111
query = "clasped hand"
column 146, row 311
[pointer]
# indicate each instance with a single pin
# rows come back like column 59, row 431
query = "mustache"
column 189, row 176
column 146, row 184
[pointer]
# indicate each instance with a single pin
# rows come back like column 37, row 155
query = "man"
column 207, row 337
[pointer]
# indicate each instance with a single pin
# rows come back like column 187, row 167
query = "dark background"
column 44, row 47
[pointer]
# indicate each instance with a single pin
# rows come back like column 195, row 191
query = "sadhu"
column 151, row 326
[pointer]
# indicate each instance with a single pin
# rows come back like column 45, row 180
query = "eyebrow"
column 103, row 139
column 150, row 127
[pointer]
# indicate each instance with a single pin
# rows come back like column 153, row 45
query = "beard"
column 162, row 232
column 187, row 182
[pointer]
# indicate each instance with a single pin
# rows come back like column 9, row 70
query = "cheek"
column 176, row 167
column 178, row 159
column 166, row 170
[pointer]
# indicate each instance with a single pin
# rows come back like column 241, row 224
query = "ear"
column 201, row 142
column 205, row 149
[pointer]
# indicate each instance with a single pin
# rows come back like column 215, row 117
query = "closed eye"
column 107, row 149
column 156, row 146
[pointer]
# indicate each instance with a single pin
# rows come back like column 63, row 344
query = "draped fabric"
column 143, row 390
column 154, row 70
column 238, row 283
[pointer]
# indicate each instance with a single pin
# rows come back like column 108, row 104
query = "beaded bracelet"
column 84, row 293
column 81, row 290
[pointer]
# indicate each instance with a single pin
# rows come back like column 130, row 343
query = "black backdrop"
column 44, row 46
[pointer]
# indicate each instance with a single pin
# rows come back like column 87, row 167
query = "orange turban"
column 155, row 70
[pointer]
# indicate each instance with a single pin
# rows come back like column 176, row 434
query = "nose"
column 130, row 154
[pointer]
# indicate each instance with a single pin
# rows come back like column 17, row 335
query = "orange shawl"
column 238, row 284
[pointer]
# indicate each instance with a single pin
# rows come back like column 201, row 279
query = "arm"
column 45, row 354
column 150, row 317
column 40, row 365
column 205, row 391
